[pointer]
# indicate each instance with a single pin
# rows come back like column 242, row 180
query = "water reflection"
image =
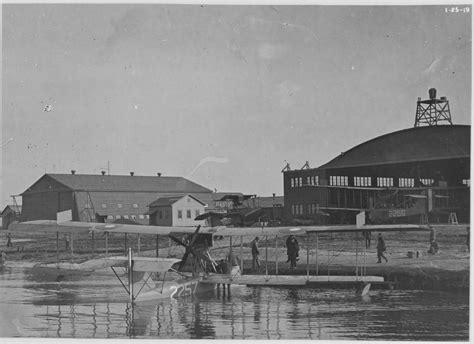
column 87, row 309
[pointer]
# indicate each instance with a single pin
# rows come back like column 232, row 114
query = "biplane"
column 398, row 207
column 144, row 278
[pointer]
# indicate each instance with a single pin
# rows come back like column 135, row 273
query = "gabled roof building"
column 101, row 198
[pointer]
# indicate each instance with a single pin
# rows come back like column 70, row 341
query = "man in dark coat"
column 381, row 248
column 292, row 249
column 255, row 253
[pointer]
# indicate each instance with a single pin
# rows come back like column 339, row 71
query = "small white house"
column 176, row 211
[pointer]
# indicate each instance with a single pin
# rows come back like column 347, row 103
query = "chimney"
column 73, row 171
column 159, row 174
column 132, row 173
column 274, row 195
column 103, row 173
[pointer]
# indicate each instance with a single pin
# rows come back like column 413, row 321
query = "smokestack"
column 103, row 173
column 73, row 171
column 159, row 174
column 132, row 173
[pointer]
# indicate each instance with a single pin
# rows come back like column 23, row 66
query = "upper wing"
column 280, row 231
column 80, row 227
column 50, row 226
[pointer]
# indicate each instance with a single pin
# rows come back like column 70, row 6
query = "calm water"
column 96, row 307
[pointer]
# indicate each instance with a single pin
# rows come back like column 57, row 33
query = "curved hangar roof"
column 409, row 145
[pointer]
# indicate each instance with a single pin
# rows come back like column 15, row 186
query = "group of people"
column 292, row 251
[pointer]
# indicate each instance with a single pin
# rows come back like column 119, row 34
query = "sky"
column 222, row 95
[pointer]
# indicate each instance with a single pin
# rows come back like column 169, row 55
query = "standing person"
column 233, row 264
column 9, row 240
column 433, row 244
column 255, row 253
column 381, row 248
column 66, row 241
column 293, row 250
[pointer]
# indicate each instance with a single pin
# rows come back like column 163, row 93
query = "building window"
column 339, row 180
column 119, row 205
column 406, row 182
column 160, row 214
column 135, row 205
column 466, row 182
column 362, row 181
column 292, row 182
column 141, row 217
column 197, row 213
column 426, row 181
column 104, row 206
column 147, row 216
column 125, row 216
column 133, row 217
column 384, row 182
column 188, row 214
column 110, row 217
column 180, row 214
column 88, row 205
column 118, row 217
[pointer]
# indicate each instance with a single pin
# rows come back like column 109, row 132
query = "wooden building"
column 176, row 211
column 102, row 198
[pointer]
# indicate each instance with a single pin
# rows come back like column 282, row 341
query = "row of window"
column 310, row 181
column 104, row 205
column 381, row 181
column 297, row 209
column 188, row 213
column 132, row 217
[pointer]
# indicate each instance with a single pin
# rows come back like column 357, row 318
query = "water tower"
column 432, row 111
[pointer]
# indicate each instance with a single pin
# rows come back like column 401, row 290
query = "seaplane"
column 145, row 278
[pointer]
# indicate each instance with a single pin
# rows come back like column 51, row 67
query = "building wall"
column 45, row 205
column 189, row 208
column 161, row 216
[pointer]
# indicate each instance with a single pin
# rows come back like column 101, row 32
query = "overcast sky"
column 223, row 95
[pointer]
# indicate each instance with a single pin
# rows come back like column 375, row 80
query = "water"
column 97, row 307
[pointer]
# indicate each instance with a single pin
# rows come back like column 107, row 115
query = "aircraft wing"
column 145, row 264
column 80, row 227
column 371, row 228
column 50, row 226
column 281, row 231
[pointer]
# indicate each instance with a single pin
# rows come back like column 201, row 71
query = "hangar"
column 389, row 171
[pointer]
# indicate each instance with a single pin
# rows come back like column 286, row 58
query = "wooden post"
column 266, row 256
column 276, row 255
column 241, row 254
column 357, row 255
column 169, row 247
column 93, row 243
column 130, row 274
column 156, row 241
column 72, row 247
column 106, row 244
column 307, row 256
column 126, row 244
column 317, row 267
column 57, row 247
column 138, row 244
